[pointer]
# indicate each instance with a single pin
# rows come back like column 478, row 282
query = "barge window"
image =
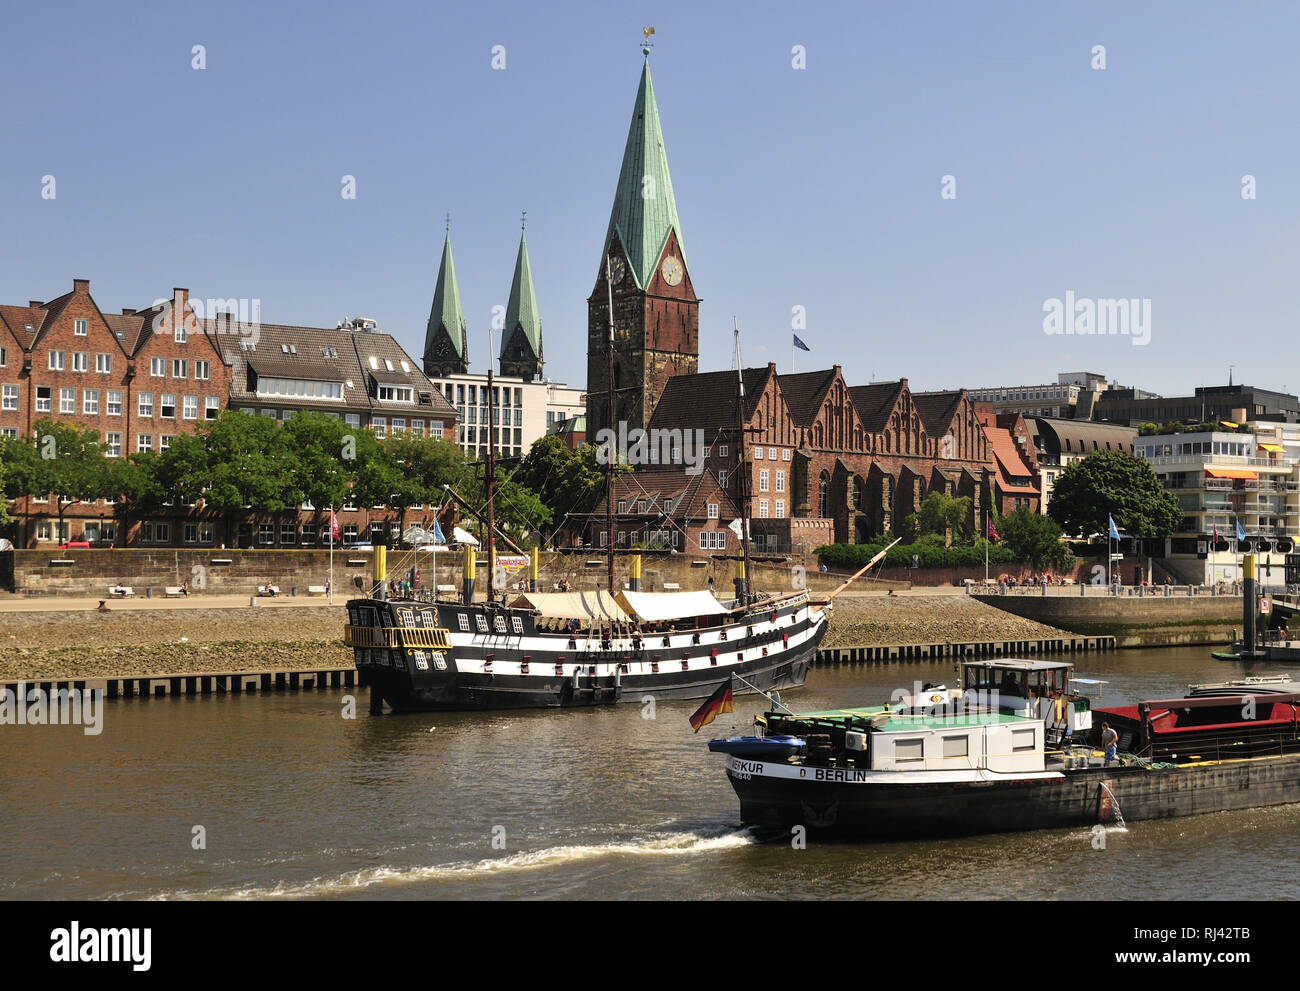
column 481, row 623
column 1023, row 739
column 956, row 746
column 464, row 622
column 518, row 624
column 909, row 751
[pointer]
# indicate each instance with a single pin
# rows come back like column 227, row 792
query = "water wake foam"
column 660, row 845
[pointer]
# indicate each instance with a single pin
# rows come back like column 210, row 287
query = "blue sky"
column 817, row 188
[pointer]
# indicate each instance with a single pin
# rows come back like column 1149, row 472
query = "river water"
column 295, row 801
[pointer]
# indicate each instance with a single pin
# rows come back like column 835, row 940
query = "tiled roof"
column 690, row 494
column 937, row 409
column 1014, row 471
column 875, row 402
column 805, row 392
column 129, row 329
column 16, row 318
column 344, row 353
column 52, row 309
column 707, row 401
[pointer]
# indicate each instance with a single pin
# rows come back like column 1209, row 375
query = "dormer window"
column 396, row 394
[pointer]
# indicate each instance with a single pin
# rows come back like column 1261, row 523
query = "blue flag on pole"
column 1114, row 533
column 437, row 533
column 800, row 344
column 1241, row 534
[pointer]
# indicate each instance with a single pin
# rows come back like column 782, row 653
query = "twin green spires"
column 446, row 349
column 645, row 210
column 444, row 339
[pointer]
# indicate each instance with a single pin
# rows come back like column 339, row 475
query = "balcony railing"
column 1220, row 461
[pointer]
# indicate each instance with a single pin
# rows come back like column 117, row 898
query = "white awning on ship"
column 654, row 607
column 464, row 537
column 595, row 604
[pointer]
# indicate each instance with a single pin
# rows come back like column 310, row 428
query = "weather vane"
column 523, row 220
column 448, row 222
column 646, row 43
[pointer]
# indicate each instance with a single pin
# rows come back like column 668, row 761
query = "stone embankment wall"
column 1145, row 621
column 83, row 572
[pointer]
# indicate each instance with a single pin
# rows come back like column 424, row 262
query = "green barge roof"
column 899, row 722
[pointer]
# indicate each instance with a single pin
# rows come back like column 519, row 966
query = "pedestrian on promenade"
column 1109, row 743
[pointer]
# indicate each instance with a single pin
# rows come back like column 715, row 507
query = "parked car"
column 68, row 544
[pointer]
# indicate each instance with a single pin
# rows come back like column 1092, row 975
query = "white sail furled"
column 594, row 605
column 655, row 607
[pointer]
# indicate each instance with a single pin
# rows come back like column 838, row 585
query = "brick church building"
column 826, row 461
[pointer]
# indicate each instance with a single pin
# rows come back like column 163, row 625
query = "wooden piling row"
column 985, row 648
column 199, row 685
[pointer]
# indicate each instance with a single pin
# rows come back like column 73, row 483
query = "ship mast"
column 610, row 453
column 742, row 476
column 491, row 479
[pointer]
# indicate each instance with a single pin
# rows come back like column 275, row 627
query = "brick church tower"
column 656, row 312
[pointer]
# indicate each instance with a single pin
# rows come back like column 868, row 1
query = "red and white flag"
column 334, row 525
column 990, row 530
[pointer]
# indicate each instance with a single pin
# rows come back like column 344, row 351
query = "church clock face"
column 672, row 270
column 617, row 269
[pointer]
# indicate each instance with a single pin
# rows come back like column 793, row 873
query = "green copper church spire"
column 521, row 341
column 445, row 347
column 645, row 210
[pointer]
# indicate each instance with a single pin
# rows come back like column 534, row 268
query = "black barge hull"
column 1077, row 798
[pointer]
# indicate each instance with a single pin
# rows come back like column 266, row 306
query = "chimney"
column 35, row 304
column 127, row 311
column 81, row 285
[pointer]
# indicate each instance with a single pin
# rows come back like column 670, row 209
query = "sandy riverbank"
column 878, row 620
column 88, row 644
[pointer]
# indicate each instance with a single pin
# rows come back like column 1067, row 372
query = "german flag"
column 718, row 702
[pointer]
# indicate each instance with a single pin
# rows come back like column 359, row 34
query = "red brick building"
column 141, row 377
column 667, row 508
column 1016, row 481
column 828, row 462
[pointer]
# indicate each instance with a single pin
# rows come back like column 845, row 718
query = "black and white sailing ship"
column 581, row 648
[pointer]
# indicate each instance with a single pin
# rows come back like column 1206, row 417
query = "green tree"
column 565, row 480
column 941, row 515
column 415, row 470
column 1113, row 483
column 19, row 463
column 249, row 464
column 69, row 464
column 1034, row 538
column 324, row 453
column 134, row 484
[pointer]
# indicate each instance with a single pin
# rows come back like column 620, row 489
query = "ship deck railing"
column 433, row 638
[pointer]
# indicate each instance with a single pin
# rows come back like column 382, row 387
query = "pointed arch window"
column 823, row 494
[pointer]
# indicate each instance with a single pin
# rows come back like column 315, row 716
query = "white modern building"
column 1250, row 477
column 523, row 409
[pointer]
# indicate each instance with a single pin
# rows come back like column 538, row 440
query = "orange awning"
column 1230, row 473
